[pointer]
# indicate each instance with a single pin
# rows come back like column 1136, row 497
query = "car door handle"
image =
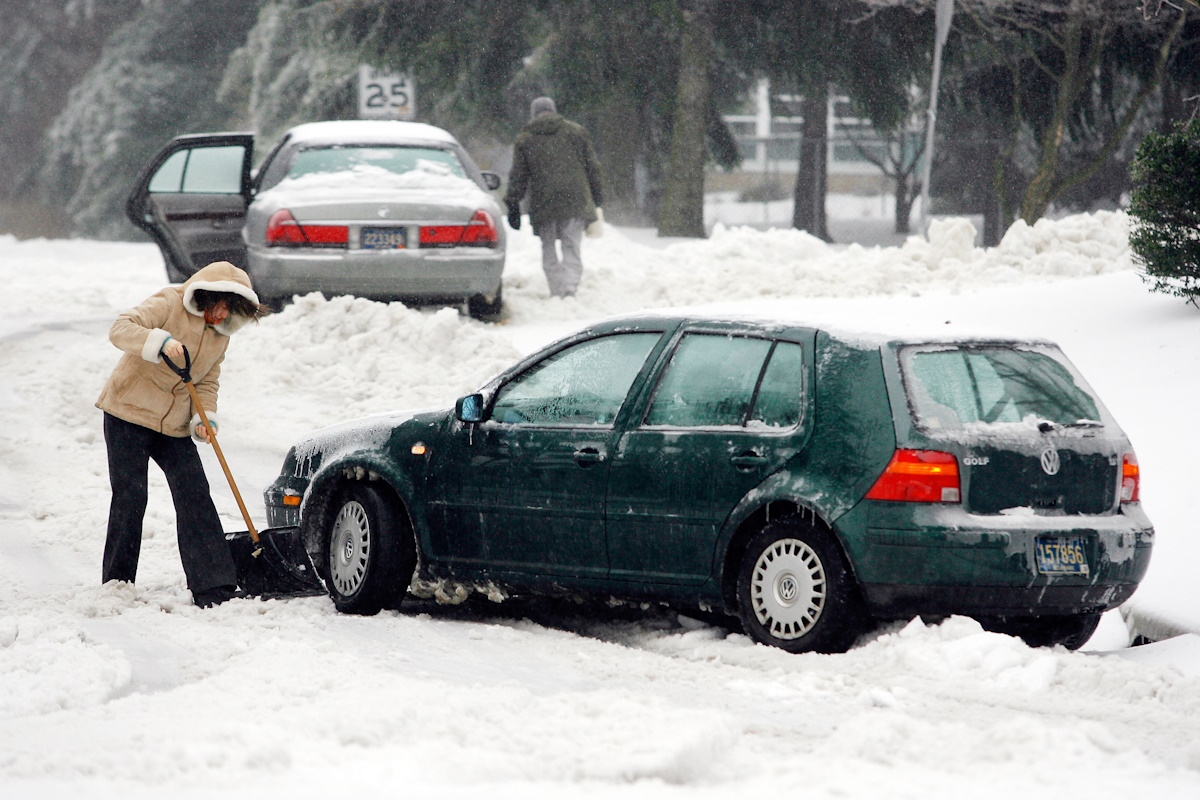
column 749, row 460
column 588, row 455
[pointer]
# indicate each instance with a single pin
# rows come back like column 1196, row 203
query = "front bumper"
column 939, row 560
column 429, row 274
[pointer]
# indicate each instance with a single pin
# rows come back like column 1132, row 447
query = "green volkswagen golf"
column 801, row 481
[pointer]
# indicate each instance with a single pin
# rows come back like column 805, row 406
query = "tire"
column 369, row 554
column 795, row 592
column 1071, row 631
column 480, row 308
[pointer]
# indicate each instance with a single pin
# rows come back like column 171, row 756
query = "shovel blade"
column 278, row 566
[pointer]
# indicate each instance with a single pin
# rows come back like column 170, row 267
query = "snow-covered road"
column 133, row 692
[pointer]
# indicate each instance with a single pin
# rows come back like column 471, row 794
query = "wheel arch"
column 757, row 519
column 318, row 506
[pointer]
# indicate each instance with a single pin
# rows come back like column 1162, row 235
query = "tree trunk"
column 617, row 139
column 904, row 203
column 681, row 212
column 808, row 211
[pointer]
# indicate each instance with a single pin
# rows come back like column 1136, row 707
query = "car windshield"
column 953, row 387
column 395, row 159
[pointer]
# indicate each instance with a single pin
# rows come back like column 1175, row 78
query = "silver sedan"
column 378, row 209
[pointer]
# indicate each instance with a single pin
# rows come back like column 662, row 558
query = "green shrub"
column 1165, row 211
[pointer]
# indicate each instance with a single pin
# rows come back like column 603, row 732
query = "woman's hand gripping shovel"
column 272, row 563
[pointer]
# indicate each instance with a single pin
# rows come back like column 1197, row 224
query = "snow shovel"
column 272, row 563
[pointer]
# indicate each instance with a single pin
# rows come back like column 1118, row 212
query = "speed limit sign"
column 385, row 95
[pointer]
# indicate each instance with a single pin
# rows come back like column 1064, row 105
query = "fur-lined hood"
column 220, row 276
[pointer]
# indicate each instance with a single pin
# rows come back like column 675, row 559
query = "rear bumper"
column 443, row 274
column 946, row 561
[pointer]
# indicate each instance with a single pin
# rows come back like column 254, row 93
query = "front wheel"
column 370, row 553
column 795, row 592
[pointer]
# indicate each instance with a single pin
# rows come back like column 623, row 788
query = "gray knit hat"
column 541, row 105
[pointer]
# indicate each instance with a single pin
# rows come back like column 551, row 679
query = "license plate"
column 382, row 238
column 1061, row 555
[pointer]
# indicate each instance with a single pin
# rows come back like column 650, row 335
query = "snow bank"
column 132, row 692
column 742, row 263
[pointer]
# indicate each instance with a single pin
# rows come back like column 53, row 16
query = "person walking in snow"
column 148, row 414
column 553, row 160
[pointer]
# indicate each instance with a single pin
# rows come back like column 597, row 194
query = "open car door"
column 191, row 198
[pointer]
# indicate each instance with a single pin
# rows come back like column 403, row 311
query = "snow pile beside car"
column 621, row 275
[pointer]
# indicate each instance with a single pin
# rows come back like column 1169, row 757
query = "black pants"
column 202, row 547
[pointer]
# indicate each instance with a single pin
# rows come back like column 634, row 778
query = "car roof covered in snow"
column 363, row 131
column 915, row 331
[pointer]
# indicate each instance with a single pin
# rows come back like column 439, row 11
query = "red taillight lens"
column 479, row 232
column 284, row 231
column 1131, row 479
column 919, row 476
column 327, row 235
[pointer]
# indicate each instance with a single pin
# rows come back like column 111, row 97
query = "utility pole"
column 945, row 10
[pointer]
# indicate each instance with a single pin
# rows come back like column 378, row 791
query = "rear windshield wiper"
column 1045, row 425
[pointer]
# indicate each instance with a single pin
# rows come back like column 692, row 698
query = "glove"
column 596, row 229
column 514, row 218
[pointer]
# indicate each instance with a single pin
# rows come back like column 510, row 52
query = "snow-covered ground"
column 131, row 692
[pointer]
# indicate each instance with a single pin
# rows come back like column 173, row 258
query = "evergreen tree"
column 1165, row 211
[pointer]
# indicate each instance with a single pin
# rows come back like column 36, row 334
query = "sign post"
column 385, row 95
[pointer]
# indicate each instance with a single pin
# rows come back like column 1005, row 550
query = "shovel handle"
column 185, row 374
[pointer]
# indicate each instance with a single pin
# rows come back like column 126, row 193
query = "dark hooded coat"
column 553, row 160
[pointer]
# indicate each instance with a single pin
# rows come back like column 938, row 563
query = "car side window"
column 201, row 170
column 584, row 384
column 777, row 404
column 710, row 382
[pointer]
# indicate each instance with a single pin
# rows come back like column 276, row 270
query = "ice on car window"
column 585, row 384
column 709, row 382
column 950, row 387
column 397, row 160
column 777, row 404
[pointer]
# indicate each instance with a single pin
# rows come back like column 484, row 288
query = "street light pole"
column 945, row 10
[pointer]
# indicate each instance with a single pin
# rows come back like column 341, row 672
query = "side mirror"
column 469, row 408
column 491, row 180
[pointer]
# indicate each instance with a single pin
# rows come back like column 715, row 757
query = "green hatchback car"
column 801, row 481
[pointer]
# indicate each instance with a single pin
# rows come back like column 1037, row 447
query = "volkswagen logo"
column 1050, row 461
column 383, row 212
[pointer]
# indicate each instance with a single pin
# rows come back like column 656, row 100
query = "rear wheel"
column 1072, row 631
column 795, row 592
column 370, row 554
column 481, row 308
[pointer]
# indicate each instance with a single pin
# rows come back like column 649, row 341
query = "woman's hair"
column 237, row 304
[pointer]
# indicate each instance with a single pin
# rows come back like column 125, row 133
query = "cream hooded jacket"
column 143, row 389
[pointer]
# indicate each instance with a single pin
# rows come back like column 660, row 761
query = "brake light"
column 479, row 232
column 284, row 231
column 1131, row 479
column 919, row 476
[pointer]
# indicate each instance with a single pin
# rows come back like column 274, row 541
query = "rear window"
column 955, row 387
column 398, row 160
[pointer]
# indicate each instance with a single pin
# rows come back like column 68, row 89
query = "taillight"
column 284, row 231
column 1130, row 479
column 919, row 476
column 479, row 232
